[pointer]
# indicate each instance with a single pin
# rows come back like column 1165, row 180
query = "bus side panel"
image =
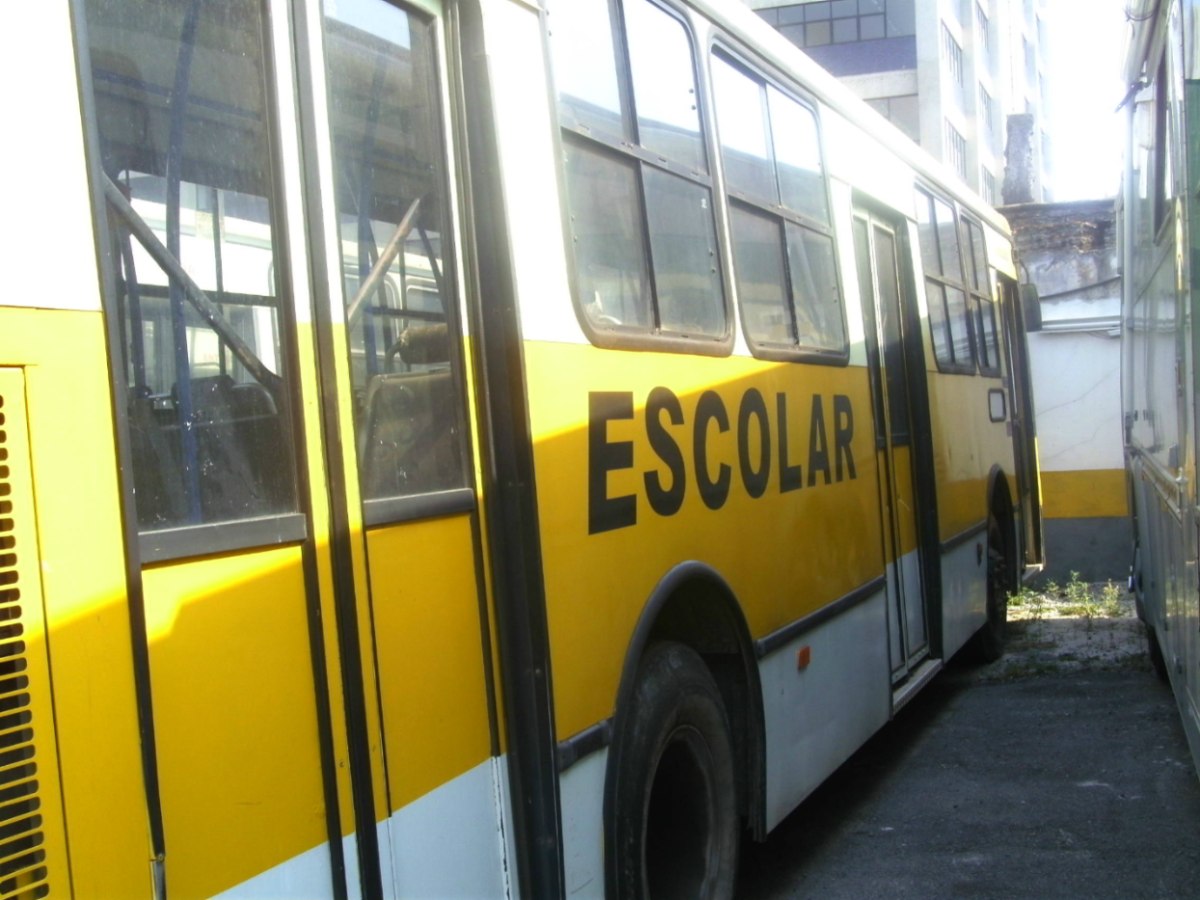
column 820, row 713
column 82, row 590
column 71, row 467
column 235, row 719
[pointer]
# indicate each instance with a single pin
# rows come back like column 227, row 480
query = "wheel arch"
column 693, row 605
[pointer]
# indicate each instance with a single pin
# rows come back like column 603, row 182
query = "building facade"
column 948, row 73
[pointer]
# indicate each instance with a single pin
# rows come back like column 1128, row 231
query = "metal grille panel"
column 23, row 873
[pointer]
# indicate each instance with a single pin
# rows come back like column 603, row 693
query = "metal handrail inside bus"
column 195, row 295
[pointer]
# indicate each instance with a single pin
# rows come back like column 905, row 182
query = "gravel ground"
column 1092, row 628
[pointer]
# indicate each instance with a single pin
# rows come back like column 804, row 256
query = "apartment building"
column 953, row 75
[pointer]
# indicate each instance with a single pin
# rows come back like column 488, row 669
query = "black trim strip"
column 222, row 537
column 135, row 595
column 389, row 510
column 512, row 522
column 962, row 537
column 590, row 740
column 362, row 787
column 322, row 697
column 776, row 639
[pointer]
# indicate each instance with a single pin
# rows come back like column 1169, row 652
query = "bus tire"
column 674, row 815
column 988, row 643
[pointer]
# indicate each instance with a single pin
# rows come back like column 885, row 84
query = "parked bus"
column 473, row 448
column 1157, row 211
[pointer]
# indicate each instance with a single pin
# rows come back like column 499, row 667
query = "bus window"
column 639, row 193
column 779, row 216
column 949, row 316
column 391, row 207
column 983, row 306
column 190, row 199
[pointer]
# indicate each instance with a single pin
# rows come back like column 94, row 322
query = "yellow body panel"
column 430, row 651
column 785, row 554
column 966, row 445
column 79, row 547
column 234, row 716
column 1085, row 494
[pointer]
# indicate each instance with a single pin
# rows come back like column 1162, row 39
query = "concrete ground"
column 1060, row 771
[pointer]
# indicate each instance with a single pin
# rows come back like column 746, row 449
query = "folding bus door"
column 411, row 593
column 878, row 258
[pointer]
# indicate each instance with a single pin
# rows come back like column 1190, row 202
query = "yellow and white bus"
column 526, row 446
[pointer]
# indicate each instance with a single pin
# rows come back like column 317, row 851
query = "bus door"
column 878, row 256
column 287, row 357
column 411, row 599
column 1024, row 432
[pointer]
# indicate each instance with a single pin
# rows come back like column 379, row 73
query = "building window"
column 983, row 37
column 956, row 150
column 987, row 115
column 953, row 54
column 902, row 111
column 989, row 187
column 842, row 21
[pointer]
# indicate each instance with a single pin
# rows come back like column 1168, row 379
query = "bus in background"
column 474, row 448
column 1157, row 211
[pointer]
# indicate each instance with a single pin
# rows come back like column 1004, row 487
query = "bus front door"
column 878, row 259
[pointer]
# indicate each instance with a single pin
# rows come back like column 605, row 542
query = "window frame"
column 944, row 283
column 766, row 76
column 260, row 529
column 429, row 502
column 982, row 298
column 632, row 153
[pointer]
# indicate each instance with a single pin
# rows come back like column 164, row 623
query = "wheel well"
column 694, row 606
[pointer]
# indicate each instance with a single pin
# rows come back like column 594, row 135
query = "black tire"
column 988, row 642
column 673, row 819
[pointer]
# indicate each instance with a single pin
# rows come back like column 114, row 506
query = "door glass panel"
column 181, row 124
column 392, row 223
column 893, row 351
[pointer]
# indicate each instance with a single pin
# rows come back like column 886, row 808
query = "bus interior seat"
column 409, row 442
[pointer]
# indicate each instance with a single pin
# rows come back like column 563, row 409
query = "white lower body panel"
column 817, row 716
column 450, row 843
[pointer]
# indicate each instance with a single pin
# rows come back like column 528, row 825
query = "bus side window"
column 949, row 316
column 783, row 252
column 983, row 305
column 638, row 185
column 189, row 193
column 391, row 207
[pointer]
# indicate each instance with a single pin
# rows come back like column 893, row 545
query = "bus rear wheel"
column 674, row 819
column 988, row 643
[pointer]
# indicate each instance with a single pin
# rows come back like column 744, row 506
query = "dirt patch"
column 1079, row 627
